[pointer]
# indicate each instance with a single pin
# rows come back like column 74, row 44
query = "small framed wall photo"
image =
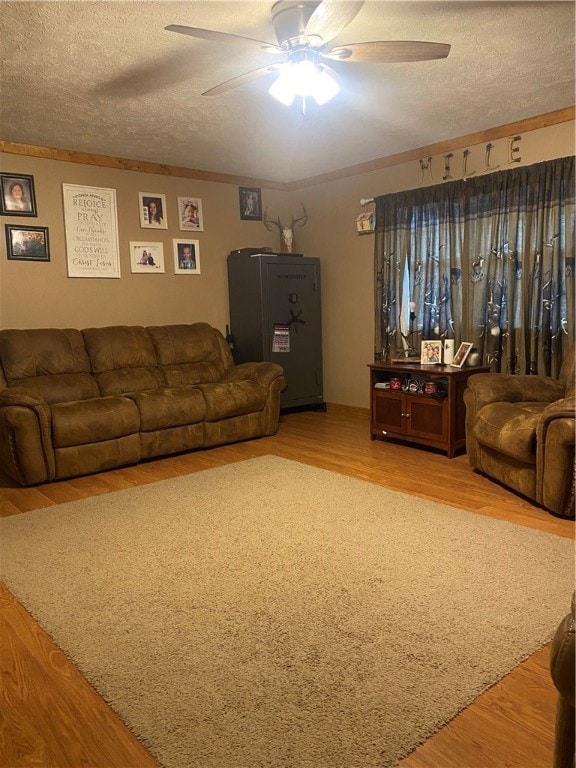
column 250, row 203
column 17, row 197
column 27, row 243
column 147, row 258
column 431, row 352
column 186, row 257
column 152, row 210
column 190, row 214
column 462, row 354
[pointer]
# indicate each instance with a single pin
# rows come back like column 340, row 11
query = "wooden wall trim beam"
column 441, row 147
column 141, row 166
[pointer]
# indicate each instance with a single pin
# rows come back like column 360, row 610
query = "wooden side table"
column 436, row 419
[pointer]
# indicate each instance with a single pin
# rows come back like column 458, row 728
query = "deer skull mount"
column 286, row 233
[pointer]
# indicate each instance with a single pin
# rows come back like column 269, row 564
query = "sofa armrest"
column 263, row 373
column 22, row 396
column 26, row 447
column 562, row 656
column 484, row 388
column 560, row 409
column 555, row 439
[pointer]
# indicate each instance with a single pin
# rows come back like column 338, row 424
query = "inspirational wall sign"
column 91, row 224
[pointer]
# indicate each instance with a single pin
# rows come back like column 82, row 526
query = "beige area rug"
column 268, row 614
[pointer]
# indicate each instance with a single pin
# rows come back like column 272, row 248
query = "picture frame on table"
column 147, row 258
column 27, row 243
column 17, row 195
column 461, row 354
column 153, row 210
column 250, row 199
column 431, row 352
column 190, row 218
column 186, row 257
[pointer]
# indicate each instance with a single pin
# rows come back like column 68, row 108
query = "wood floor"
column 51, row 718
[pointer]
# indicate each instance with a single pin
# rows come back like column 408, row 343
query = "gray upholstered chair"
column 520, row 431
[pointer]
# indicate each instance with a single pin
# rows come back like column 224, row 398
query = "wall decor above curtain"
column 489, row 260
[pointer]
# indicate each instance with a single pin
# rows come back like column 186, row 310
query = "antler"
column 303, row 218
column 275, row 222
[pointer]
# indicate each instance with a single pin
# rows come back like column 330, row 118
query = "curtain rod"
column 366, row 200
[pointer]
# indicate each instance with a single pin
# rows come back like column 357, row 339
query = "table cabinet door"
column 388, row 412
column 427, row 418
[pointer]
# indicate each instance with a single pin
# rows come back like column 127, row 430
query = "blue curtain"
column 489, row 260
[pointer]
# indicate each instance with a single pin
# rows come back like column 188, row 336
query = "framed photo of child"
column 190, row 214
column 152, row 210
column 250, row 203
column 186, row 257
column 147, row 258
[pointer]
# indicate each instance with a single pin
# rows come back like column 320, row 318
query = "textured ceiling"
column 105, row 77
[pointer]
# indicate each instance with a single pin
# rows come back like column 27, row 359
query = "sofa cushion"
column 510, row 428
column 51, row 361
column 122, row 359
column 93, row 421
column 169, row 407
column 234, row 398
column 190, row 354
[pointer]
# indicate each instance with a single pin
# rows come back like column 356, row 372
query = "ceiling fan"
column 305, row 31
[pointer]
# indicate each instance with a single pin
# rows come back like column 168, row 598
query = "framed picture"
column 17, row 197
column 147, row 258
column 431, row 352
column 190, row 214
column 27, row 243
column 250, row 203
column 461, row 354
column 152, row 210
column 186, row 257
column 91, row 226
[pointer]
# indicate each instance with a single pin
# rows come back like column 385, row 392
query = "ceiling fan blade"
column 236, row 82
column 330, row 18
column 222, row 37
column 389, row 51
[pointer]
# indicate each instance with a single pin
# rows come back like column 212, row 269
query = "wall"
column 40, row 294
column 36, row 294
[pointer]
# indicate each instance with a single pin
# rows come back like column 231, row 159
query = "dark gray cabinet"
column 275, row 315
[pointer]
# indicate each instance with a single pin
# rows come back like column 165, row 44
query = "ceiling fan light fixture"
column 326, row 88
column 304, row 78
column 282, row 89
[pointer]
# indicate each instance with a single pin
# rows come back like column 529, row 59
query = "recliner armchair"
column 520, row 431
column 562, row 671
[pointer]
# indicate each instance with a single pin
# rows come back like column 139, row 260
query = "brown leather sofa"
column 73, row 402
column 520, row 431
column 562, row 670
